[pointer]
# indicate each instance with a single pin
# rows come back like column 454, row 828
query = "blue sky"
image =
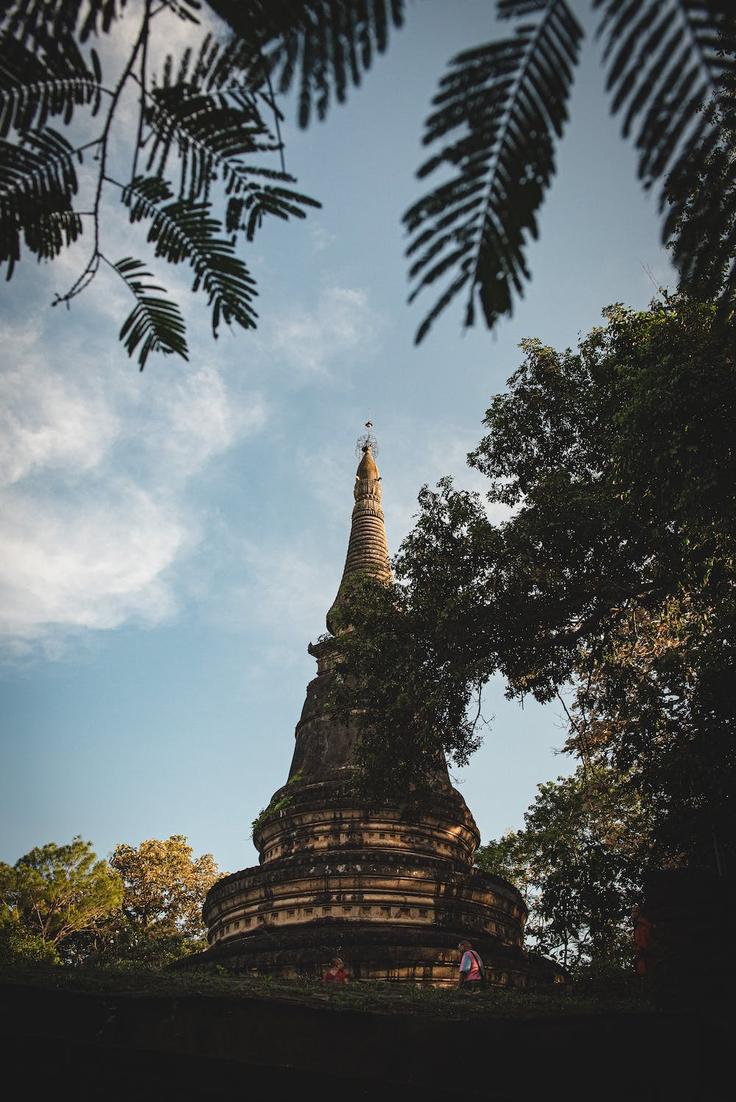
column 171, row 541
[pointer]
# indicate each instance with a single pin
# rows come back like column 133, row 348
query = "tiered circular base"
column 391, row 892
column 388, row 953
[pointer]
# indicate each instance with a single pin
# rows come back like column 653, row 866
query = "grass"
column 373, row 997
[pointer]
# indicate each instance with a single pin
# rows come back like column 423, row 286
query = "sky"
column 171, row 540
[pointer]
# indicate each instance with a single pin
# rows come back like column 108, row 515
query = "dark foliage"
column 321, row 47
column 187, row 233
column 155, row 324
column 501, row 108
column 211, row 116
column 702, row 196
column 580, row 860
column 38, row 183
column 615, row 572
column 41, row 82
column 205, row 116
column 497, row 113
column 210, row 123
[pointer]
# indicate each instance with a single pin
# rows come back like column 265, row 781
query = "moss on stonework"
column 275, row 807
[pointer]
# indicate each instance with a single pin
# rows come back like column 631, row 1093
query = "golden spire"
column 367, row 555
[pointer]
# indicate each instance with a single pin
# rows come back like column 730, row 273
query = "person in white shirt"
column 472, row 973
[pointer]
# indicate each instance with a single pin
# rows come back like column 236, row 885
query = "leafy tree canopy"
column 54, row 892
column 614, row 572
column 19, row 946
column 160, row 919
column 580, row 860
column 143, row 908
column 164, row 887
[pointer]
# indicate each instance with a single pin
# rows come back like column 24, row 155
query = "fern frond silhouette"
column 155, row 324
column 38, row 183
column 187, row 233
column 203, row 120
column 318, row 47
column 501, row 108
column 211, row 129
column 496, row 113
column 210, row 122
column 672, row 67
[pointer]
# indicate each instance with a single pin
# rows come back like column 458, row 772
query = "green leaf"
column 187, row 233
column 497, row 112
column 37, row 184
column 317, row 47
column 40, row 81
column 156, row 324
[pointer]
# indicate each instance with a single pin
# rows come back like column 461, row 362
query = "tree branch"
column 142, row 83
column 92, row 266
column 276, row 117
column 501, row 139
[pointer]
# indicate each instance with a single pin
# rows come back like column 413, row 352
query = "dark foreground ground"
column 96, row 1035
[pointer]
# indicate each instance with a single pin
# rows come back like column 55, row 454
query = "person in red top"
column 336, row 972
column 643, row 927
column 472, row 973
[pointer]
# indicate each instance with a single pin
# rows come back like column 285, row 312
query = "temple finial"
column 367, row 555
column 367, row 440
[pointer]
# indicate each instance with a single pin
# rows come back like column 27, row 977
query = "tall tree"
column 164, row 887
column 580, row 860
column 54, row 892
column 614, row 572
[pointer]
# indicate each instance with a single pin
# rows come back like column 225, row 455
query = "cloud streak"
column 341, row 324
column 48, row 422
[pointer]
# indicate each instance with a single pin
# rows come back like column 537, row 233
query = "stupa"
column 389, row 890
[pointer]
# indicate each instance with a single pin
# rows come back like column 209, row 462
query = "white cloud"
column 46, row 421
column 97, row 463
column 95, row 468
column 342, row 323
column 320, row 236
column 194, row 417
column 86, row 563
